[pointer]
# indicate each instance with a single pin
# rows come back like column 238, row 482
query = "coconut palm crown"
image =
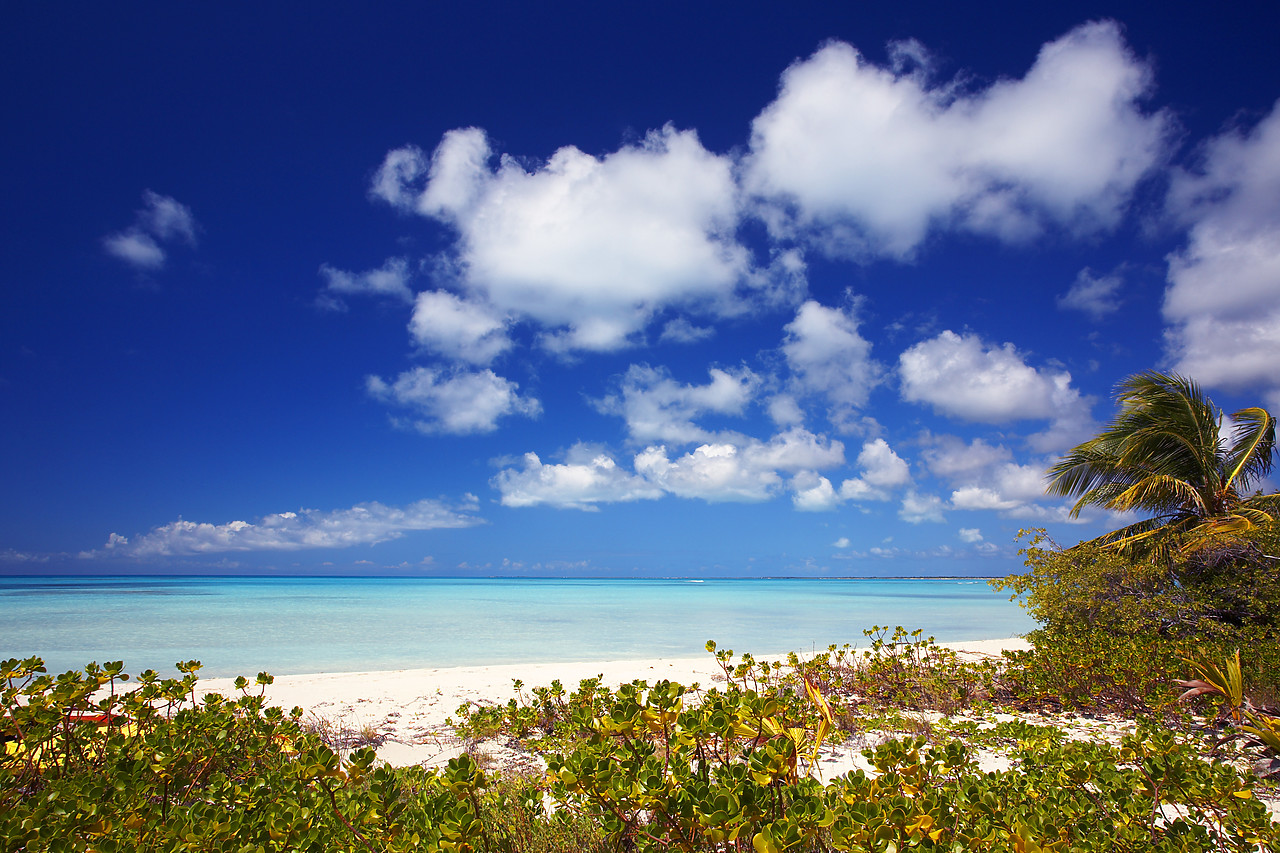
column 1169, row 453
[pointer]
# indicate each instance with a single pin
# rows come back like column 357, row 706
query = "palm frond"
column 1253, row 445
column 1161, row 494
column 1164, row 454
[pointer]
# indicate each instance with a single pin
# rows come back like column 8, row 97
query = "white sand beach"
column 408, row 708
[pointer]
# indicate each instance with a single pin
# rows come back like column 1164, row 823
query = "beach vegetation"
column 1116, row 630
column 644, row 767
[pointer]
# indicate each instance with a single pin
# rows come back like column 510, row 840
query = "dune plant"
column 661, row 767
column 1226, row 681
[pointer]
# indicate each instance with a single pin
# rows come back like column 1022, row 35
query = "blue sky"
column 606, row 289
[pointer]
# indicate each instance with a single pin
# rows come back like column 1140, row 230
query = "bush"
column 1116, row 631
column 157, row 768
column 1214, row 591
column 650, row 767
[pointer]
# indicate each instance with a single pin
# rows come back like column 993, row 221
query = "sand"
column 407, row 709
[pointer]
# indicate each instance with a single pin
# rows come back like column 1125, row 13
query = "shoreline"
column 408, row 708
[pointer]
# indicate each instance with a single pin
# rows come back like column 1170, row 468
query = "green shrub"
column 645, row 767
column 1116, row 630
column 159, row 769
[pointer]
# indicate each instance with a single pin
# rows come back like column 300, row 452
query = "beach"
column 408, row 709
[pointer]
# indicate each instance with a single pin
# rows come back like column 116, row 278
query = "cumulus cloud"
column 458, row 402
column 1095, row 295
column 161, row 220
column 785, row 411
column 963, row 377
column 882, row 471
column 586, row 478
column 949, row 457
column 969, row 534
column 811, row 492
column 986, row 477
column 795, row 450
column 739, row 470
column 658, row 408
column 1009, row 487
column 362, row 524
column 731, row 468
column 917, row 508
column 1223, row 300
column 457, row 328
column 588, row 247
column 827, row 356
column 868, row 160
column 391, row 279
column 978, row 497
column 712, row 472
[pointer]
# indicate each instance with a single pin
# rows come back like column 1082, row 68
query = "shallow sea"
column 303, row 625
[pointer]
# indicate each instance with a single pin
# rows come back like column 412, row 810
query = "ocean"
column 241, row 626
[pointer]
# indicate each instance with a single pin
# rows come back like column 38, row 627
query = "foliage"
column 705, row 780
column 1165, row 454
column 159, row 769
column 1209, row 594
column 650, row 767
column 1226, row 681
column 1117, row 630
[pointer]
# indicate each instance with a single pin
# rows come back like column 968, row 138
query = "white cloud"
column 395, row 178
column 969, row 534
column 1223, row 300
column 741, row 469
column 390, row 279
column 785, row 411
column 1011, row 488
column 681, row 331
column 167, row 218
column 454, row 402
column 712, row 472
column 657, row 408
column 978, row 497
column 950, row 458
column 842, row 542
column 545, row 244
column 1095, row 295
column 585, row 479
column 869, row 160
column 811, row 492
column 918, row 508
column 730, row 468
column 965, row 378
column 882, row 471
column 986, row 477
column 828, row 356
column 163, row 219
column 881, row 466
column 457, row 328
column 136, row 249
column 363, row 524
column 795, row 450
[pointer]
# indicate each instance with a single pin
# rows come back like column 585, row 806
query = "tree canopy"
column 1172, row 453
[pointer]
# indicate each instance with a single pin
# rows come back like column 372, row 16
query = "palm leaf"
column 1253, row 445
column 1164, row 454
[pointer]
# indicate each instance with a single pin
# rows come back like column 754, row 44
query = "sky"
column 600, row 289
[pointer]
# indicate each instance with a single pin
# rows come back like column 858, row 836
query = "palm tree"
column 1166, row 453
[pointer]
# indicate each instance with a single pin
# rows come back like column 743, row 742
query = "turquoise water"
column 301, row 625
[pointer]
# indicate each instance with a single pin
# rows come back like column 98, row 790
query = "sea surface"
column 284, row 626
